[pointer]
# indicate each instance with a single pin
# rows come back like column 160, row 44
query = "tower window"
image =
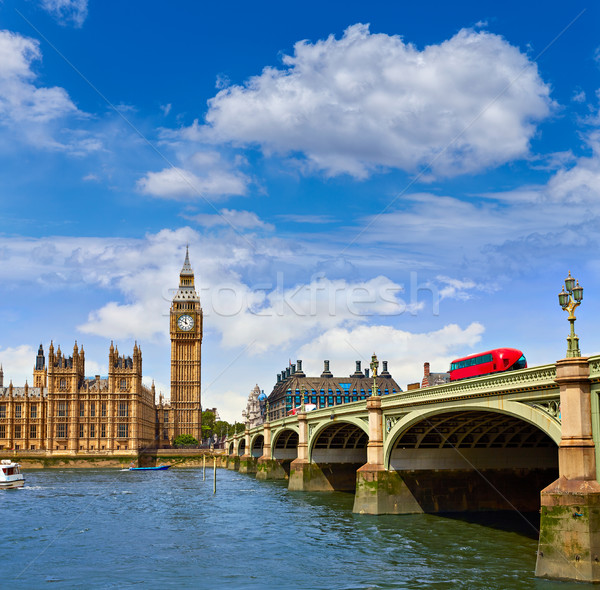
column 17, row 410
column 123, row 384
column 32, row 431
column 123, row 409
column 33, row 410
column 17, row 431
column 92, row 409
column 62, row 408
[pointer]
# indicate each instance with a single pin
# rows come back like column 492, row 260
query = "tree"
column 208, row 424
column 184, row 440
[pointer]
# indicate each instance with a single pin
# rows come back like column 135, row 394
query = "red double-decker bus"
column 485, row 363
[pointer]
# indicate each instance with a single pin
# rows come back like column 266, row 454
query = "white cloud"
column 139, row 320
column 240, row 220
column 267, row 317
column 514, row 228
column 35, row 115
column 243, row 311
column 20, row 100
column 17, row 363
column 457, row 288
column 553, row 161
column 262, row 317
column 405, row 351
column 370, row 100
column 205, row 173
column 67, row 11
column 177, row 183
column 311, row 219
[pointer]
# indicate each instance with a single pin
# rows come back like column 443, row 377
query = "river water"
column 114, row 529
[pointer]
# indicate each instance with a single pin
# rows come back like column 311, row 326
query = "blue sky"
column 411, row 179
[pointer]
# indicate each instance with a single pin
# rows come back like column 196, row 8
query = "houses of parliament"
column 65, row 411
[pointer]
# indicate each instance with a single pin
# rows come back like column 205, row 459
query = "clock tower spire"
column 186, row 343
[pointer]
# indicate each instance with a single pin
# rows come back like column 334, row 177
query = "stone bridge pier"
column 569, row 545
column 379, row 491
column 337, row 450
column 271, row 464
column 233, row 461
column 247, row 460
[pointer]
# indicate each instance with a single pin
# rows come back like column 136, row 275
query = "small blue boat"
column 159, row 468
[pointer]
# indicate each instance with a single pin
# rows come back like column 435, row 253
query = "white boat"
column 10, row 475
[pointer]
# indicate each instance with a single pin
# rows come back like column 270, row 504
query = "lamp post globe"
column 569, row 300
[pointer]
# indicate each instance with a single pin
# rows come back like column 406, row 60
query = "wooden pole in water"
column 214, row 475
column 203, row 467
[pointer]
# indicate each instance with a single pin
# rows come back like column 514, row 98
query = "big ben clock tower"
column 186, row 343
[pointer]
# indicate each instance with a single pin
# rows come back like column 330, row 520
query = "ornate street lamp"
column 374, row 366
column 569, row 300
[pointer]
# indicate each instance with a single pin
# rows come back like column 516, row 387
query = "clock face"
column 185, row 322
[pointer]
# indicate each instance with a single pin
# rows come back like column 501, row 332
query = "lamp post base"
column 573, row 347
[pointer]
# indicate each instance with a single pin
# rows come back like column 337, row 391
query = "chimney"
column 367, row 373
column 299, row 370
column 326, row 372
column 385, row 372
column 278, row 377
column 425, row 382
column 358, row 372
column 293, row 371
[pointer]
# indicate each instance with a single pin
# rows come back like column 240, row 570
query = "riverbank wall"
column 177, row 458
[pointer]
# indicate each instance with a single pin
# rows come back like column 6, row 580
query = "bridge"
column 499, row 442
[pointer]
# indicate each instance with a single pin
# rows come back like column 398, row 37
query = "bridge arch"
column 231, row 448
column 359, row 426
column 530, row 414
column 241, row 447
column 257, row 442
column 474, row 457
column 336, row 449
column 284, row 444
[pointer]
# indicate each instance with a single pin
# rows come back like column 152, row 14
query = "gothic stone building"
column 254, row 414
column 65, row 411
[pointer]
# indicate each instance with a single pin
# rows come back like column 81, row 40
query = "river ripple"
column 110, row 529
